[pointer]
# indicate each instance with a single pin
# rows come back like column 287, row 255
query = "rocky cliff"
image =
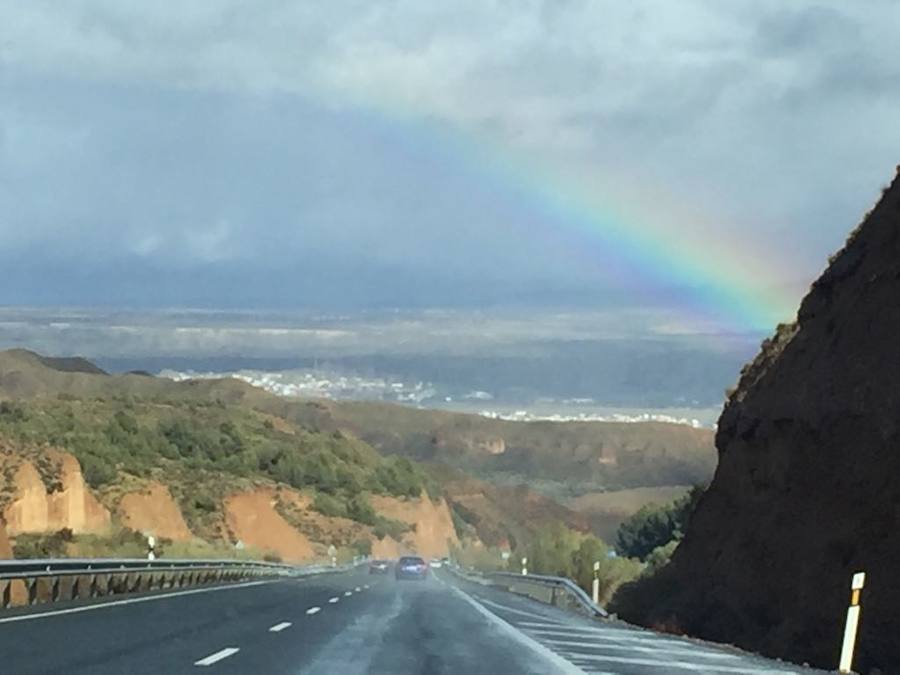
column 807, row 490
column 154, row 511
column 5, row 547
column 32, row 506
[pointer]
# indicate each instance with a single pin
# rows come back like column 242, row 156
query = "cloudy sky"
column 414, row 153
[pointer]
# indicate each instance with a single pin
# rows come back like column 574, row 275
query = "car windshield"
column 449, row 336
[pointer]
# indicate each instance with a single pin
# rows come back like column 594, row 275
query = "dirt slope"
column 433, row 531
column 251, row 517
column 153, row 511
column 807, row 488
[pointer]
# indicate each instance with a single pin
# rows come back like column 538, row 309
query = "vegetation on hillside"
column 190, row 441
column 560, row 459
column 559, row 551
column 655, row 529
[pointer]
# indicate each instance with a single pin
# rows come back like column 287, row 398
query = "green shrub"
column 654, row 526
column 329, row 506
column 360, row 510
column 363, row 546
column 96, row 471
column 29, row 546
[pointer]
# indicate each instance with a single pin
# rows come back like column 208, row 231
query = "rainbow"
column 665, row 242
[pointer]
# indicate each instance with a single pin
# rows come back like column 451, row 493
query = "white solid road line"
column 278, row 627
column 314, row 610
column 131, row 601
column 333, row 600
column 218, row 656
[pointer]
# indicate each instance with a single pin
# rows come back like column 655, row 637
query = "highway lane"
column 345, row 623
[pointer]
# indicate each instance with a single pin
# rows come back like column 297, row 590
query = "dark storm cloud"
column 290, row 153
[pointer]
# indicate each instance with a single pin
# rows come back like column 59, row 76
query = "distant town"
column 354, row 387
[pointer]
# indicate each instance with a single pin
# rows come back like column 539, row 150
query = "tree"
column 654, row 526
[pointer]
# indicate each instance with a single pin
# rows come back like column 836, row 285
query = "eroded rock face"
column 807, row 491
column 154, row 511
column 433, row 526
column 252, row 518
column 33, row 509
column 5, row 547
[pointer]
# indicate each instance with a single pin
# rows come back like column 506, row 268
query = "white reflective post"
column 524, row 566
column 850, row 628
column 151, row 547
column 595, row 584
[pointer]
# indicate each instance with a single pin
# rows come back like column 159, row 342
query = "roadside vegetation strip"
column 218, row 656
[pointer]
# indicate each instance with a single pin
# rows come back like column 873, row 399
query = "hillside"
column 561, row 459
column 806, row 492
column 207, row 465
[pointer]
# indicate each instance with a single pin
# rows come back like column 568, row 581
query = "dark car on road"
column 379, row 567
column 411, row 567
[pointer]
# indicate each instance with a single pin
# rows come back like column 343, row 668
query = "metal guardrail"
column 31, row 582
column 554, row 589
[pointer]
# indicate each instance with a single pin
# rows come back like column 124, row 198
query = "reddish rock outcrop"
column 433, row 530
column 32, row 508
column 5, row 547
column 153, row 511
column 807, row 491
column 251, row 517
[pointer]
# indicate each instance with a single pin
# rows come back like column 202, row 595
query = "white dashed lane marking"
column 313, row 610
column 218, row 656
column 347, row 594
column 278, row 627
column 357, row 589
column 333, row 600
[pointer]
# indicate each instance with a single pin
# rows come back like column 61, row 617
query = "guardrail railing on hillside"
column 30, row 582
column 557, row 591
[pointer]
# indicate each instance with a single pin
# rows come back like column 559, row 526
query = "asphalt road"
column 345, row 623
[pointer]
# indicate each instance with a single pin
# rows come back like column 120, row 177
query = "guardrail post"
column 7, row 594
column 852, row 623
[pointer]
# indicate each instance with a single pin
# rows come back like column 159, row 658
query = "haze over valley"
column 543, row 362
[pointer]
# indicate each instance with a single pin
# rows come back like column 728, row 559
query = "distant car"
column 379, row 567
column 411, row 567
column 436, row 564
